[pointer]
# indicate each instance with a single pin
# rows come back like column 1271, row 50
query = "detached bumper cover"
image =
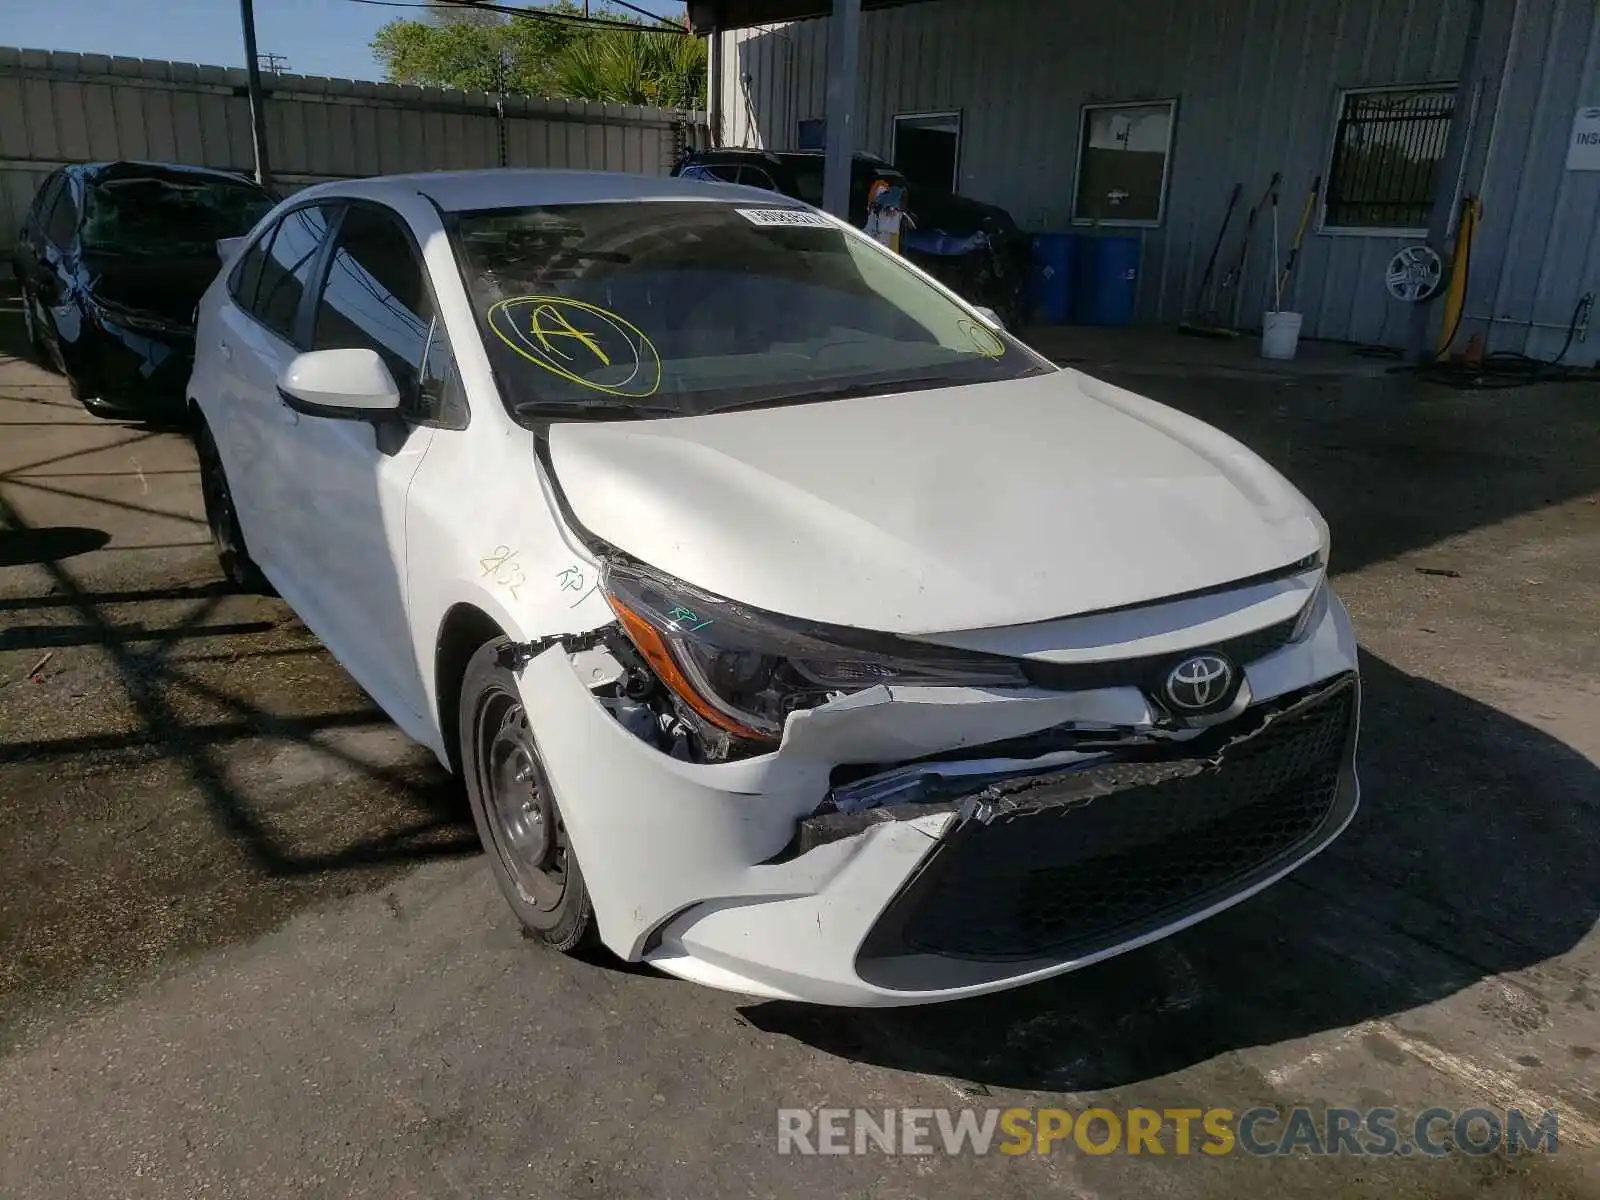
column 703, row 870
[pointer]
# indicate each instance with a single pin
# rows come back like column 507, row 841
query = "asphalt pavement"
column 248, row 946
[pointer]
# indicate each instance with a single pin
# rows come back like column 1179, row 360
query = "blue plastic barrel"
column 1108, row 280
column 1054, row 272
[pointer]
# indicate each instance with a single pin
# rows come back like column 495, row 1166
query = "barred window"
column 1387, row 151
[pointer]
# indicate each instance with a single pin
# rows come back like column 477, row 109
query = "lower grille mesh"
column 1070, row 879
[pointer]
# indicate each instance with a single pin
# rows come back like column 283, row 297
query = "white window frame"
column 1166, row 160
column 1375, row 231
column 932, row 114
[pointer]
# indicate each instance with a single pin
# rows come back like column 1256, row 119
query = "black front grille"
column 1145, row 672
column 1099, row 860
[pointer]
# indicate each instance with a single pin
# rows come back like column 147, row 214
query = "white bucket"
column 1280, row 334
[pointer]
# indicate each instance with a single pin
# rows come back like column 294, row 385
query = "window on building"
column 1387, row 149
column 1123, row 152
column 811, row 134
column 927, row 149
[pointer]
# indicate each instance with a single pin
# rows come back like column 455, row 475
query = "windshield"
column 154, row 214
column 689, row 307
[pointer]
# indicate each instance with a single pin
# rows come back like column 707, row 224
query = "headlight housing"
column 742, row 671
column 1316, row 603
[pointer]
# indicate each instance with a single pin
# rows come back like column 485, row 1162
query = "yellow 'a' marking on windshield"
column 561, row 327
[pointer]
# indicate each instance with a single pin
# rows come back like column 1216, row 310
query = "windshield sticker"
column 986, row 341
column 581, row 342
column 784, row 217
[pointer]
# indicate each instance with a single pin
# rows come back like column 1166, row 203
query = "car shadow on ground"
column 1472, row 856
column 20, row 547
column 161, row 685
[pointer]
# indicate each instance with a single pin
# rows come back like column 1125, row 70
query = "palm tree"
column 667, row 70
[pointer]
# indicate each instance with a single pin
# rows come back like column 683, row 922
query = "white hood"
column 934, row 511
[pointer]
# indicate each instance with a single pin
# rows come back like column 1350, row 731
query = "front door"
column 346, row 522
column 259, row 331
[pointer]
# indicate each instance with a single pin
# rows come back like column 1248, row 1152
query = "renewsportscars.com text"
column 1377, row 1132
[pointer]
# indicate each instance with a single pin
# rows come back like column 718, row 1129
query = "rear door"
column 345, row 521
column 29, row 259
column 54, row 276
column 262, row 326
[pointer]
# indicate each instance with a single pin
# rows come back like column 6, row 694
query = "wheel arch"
column 464, row 628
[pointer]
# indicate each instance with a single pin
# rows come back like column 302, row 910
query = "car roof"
column 465, row 191
column 134, row 167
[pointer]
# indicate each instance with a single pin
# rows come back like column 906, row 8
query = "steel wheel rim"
column 524, row 824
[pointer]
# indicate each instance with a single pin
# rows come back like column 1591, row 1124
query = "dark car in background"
column 796, row 173
column 112, row 260
column 971, row 247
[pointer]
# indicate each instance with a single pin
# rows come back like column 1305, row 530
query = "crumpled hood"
column 935, row 511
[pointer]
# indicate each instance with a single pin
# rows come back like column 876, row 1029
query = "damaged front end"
column 825, row 815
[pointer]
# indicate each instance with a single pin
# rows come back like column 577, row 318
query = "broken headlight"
column 743, row 670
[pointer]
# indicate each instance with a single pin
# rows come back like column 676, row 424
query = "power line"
column 536, row 14
column 276, row 63
column 643, row 12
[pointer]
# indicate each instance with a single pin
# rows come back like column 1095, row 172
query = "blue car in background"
column 111, row 262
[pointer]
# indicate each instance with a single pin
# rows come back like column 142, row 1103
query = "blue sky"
column 318, row 37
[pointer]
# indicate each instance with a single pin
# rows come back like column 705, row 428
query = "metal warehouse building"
column 1140, row 117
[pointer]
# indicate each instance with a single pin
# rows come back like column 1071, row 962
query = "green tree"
column 662, row 69
column 489, row 52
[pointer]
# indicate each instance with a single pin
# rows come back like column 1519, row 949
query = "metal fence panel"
column 57, row 108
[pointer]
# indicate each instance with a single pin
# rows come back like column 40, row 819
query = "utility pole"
column 1456, row 154
column 258, row 104
column 276, row 63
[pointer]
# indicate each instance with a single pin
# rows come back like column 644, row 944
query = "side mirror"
column 350, row 385
column 989, row 315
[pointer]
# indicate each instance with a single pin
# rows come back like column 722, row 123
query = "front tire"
column 233, row 556
column 515, row 810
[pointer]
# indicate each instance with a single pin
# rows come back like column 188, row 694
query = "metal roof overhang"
column 737, row 14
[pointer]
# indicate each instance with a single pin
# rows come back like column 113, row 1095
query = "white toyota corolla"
column 793, row 627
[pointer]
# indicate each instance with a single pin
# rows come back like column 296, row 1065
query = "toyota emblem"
column 1200, row 683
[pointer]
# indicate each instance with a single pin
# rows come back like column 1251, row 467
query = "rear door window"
column 44, row 202
column 287, row 267
column 62, row 221
column 756, row 177
column 246, row 277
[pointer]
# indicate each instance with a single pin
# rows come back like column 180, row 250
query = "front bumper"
column 133, row 371
column 694, row 868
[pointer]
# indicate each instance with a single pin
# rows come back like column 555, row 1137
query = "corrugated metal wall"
column 1539, row 247
column 58, row 107
column 1257, row 84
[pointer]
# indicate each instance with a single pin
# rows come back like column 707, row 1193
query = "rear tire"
column 233, row 556
column 515, row 810
column 30, row 327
